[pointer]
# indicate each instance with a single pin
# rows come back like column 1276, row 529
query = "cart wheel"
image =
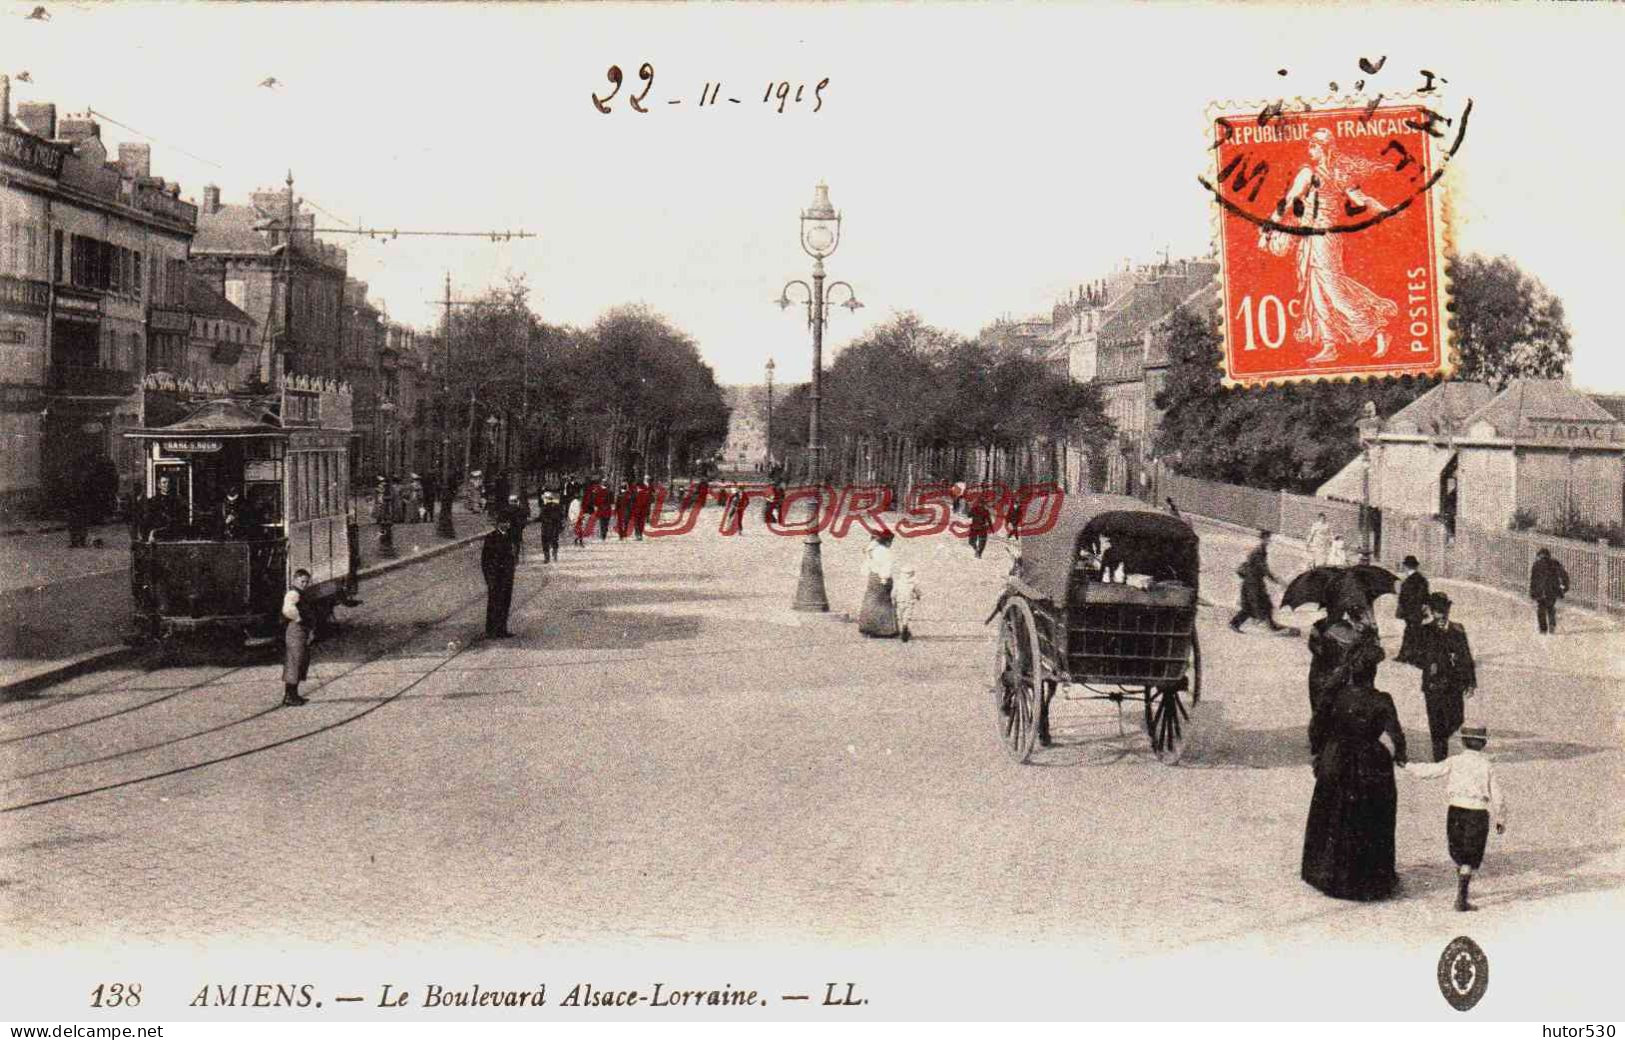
column 1167, row 723
column 1015, row 681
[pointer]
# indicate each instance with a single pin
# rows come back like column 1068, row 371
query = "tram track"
column 461, row 607
column 110, row 687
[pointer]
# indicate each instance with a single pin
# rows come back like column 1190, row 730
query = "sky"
column 985, row 158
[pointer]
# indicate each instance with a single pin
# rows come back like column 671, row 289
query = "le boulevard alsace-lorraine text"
column 581, row 995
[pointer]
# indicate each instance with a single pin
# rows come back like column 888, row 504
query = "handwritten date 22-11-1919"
column 780, row 93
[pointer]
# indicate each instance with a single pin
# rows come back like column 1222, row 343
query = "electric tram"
column 240, row 494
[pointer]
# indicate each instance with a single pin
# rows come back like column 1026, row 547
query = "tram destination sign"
column 191, row 447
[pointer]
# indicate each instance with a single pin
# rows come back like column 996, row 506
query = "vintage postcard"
column 519, row 513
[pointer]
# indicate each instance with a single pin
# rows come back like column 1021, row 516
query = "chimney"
column 135, row 160
column 39, row 117
column 79, row 127
column 211, row 198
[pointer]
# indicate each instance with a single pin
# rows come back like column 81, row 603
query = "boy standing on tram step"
column 1475, row 801
column 296, row 639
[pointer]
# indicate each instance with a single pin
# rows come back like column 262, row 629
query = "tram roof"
column 221, row 418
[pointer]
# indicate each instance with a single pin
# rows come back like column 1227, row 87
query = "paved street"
column 666, row 751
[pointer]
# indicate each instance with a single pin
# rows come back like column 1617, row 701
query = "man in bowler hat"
column 1413, row 597
column 1448, row 675
column 498, row 558
column 1548, row 583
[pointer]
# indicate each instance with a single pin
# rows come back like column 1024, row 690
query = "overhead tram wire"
column 154, row 140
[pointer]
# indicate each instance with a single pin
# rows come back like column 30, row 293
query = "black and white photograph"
column 810, row 513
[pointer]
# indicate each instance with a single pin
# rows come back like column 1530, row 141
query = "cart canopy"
column 1150, row 540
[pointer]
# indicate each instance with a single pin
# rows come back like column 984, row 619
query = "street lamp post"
column 1369, row 425
column 820, row 234
column 770, row 417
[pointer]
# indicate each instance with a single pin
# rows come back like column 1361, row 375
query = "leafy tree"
column 1294, row 437
column 1506, row 323
column 1297, row 437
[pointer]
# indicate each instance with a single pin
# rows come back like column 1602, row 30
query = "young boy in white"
column 1475, row 800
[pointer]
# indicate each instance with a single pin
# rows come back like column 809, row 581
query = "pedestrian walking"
column 959, row 500
column 572, row 516
column 1475, row 802
column 1348, row 840
column 981, row 525
column 1548, row 583
column 296, row 639
column 518, row 515
column 498, row 558
column 1449, row 677
column 1336, row 646
column 1255, row 596
column 877, row 618
column 552, row 523
column 1319, row 541
column 639, row 505
column 1337, row 555
column 1413, row 597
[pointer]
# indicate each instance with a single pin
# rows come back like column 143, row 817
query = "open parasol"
column 1340, row 589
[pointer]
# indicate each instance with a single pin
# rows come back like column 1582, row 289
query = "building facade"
column 1539, row 452
column 94, row 259
column 745, row 450
column 362, row 335
column 295, row 296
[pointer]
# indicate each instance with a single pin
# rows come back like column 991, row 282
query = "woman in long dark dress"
column 1348, row 843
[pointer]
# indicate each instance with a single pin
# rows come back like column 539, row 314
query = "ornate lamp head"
column 820, row 225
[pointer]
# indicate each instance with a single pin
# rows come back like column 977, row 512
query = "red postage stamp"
column 1332, row 227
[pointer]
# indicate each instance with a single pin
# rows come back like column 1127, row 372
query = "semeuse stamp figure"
column 1330, row 240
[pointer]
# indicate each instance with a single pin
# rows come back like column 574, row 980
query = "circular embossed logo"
column 1464, row 973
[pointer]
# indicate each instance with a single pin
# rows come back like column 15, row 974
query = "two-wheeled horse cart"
column 1101, row 606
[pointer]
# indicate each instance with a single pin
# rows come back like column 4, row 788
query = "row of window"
column 89, row 263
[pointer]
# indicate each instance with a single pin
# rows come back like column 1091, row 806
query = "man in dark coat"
column 518, row 514
column 234, row 519
column 552, row 522
column 498, row 558
column 981, row 523
column 164, row 509
column 1255, row 597
column 642, row 495
column 1413, row 597
column 1448, row 675
column 1548, row 583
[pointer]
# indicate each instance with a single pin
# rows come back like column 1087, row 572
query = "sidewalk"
column 62, row 610
column 1500, row 624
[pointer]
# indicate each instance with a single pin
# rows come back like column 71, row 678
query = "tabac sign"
column 29, row 152
column 1574, row 433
